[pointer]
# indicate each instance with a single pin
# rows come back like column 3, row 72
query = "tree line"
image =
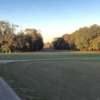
column 86, row 38
column 27, row 40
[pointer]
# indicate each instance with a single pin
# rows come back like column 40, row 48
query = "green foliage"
column 85, row 37
column 9, row 41
column 60, row 44
column 82, row 38
column 70, row 39
column 96, row 43
column 66, row 37
column 27, row 42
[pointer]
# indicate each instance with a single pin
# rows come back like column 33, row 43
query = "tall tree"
column 61, row 44
column 96, row 43
column 66, row 37
column 37, row 39
column 82, row 40
column 6, row 35
column 72, row 41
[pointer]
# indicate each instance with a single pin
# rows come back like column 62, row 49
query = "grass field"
column 70, row 79
column 63, row 80
column 48, row 55
column 23, row 90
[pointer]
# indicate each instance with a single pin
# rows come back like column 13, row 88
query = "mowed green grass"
column 47, row 55
column 23, row 90
column 49, row 77
column 60, row 80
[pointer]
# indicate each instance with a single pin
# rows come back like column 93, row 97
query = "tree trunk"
column 9, row 51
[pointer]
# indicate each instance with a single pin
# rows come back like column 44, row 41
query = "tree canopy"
column 86, row 38
column 60, row 44
column 29, row 40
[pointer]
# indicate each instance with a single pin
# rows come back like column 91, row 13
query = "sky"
column 53, row 17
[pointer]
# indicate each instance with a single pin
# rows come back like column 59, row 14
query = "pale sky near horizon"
column 53, row 17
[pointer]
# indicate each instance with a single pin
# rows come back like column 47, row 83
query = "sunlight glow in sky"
column 53, row 17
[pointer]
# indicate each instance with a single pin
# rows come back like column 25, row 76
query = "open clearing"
column 61, row 80
column 5, row 58
column 56, row 75
column 48, row 55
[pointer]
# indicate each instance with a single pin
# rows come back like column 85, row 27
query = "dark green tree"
column 82, row 40
column 96, row 43
column 6, row 36
column 60, row 44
